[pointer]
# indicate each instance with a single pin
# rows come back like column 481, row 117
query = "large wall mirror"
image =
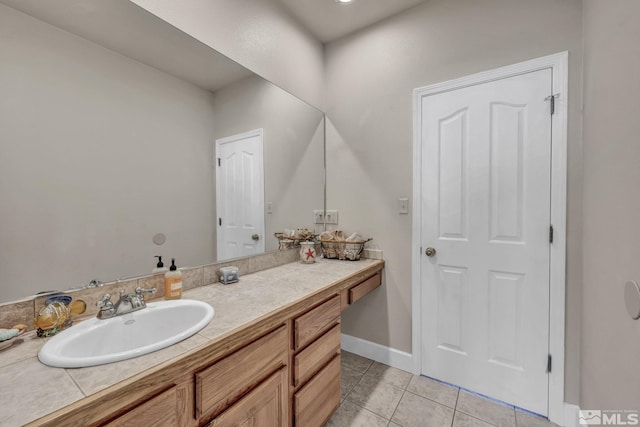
column 113, row 127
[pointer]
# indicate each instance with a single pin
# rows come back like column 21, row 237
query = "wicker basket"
column 350, row 251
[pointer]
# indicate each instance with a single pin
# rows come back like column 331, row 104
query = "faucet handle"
column 141, row 291
column 105, row 301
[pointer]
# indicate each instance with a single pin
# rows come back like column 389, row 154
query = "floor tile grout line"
column 381, row 379
column 455, row 407
column 431, row 400
column 353, row 387
column 378, row 380
column 398, row 404
column 485, row 400
column 368, row 367
column 369, row 410
column 477, row 418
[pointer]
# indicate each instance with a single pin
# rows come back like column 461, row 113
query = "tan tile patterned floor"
column 374, row 395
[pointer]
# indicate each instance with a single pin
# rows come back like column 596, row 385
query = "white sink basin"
column 96, row 342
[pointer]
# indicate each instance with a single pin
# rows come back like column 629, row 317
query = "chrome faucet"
column 127, row 303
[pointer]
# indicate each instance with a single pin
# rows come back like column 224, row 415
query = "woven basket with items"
column 335, row 246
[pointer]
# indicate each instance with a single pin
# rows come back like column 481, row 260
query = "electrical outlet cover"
column 318, row 217
column 331, row 217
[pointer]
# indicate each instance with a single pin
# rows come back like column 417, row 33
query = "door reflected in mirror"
column 240, row 195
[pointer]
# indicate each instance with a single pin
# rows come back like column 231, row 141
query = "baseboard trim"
column 379, row 353
column 571, row 413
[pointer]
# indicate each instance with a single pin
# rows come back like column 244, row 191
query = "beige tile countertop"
column 30, row 390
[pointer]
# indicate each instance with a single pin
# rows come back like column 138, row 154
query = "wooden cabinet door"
column 264, row 406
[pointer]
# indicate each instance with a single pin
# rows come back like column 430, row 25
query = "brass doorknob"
column 430, row 252
column 255, row 237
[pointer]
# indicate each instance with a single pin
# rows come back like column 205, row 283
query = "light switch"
column 403, row 206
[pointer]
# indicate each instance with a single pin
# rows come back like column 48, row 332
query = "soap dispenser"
column 173, row 282
column 160, row 268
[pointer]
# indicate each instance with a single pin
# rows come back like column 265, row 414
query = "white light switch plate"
column 403, row 206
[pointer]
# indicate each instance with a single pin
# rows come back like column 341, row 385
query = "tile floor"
column 374, row 395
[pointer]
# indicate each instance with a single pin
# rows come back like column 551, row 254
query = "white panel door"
column 486, row 156
column 240, row 195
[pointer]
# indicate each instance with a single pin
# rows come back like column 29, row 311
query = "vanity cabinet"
column 282, row 369
column 315, row 385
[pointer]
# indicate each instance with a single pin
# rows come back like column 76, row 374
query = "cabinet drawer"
column 311, row 324
column 309, row 360
column 364, row 288
column 161, row 410
column 226, row 380
column 319, row 398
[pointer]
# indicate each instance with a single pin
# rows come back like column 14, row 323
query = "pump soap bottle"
column 160, row 268
column 173, row 282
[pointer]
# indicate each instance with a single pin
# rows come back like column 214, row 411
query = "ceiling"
column 124, row 27
column 328, row 20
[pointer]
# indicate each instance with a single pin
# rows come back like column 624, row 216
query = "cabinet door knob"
column 255, row 237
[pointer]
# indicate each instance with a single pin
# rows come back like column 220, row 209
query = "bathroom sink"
column 99, row 341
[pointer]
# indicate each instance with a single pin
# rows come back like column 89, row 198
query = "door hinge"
column 552, row 102
column 219, row 221
column 551, row 234
column 548, row 364
column 219, row 161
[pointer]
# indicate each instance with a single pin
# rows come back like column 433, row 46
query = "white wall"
column 98, row 153
column 369, row 81
column 257, row 34
column 293, row 148
column 610, row 338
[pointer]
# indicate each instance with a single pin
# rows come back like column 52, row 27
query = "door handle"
column 430, row 252
column 255, row 237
